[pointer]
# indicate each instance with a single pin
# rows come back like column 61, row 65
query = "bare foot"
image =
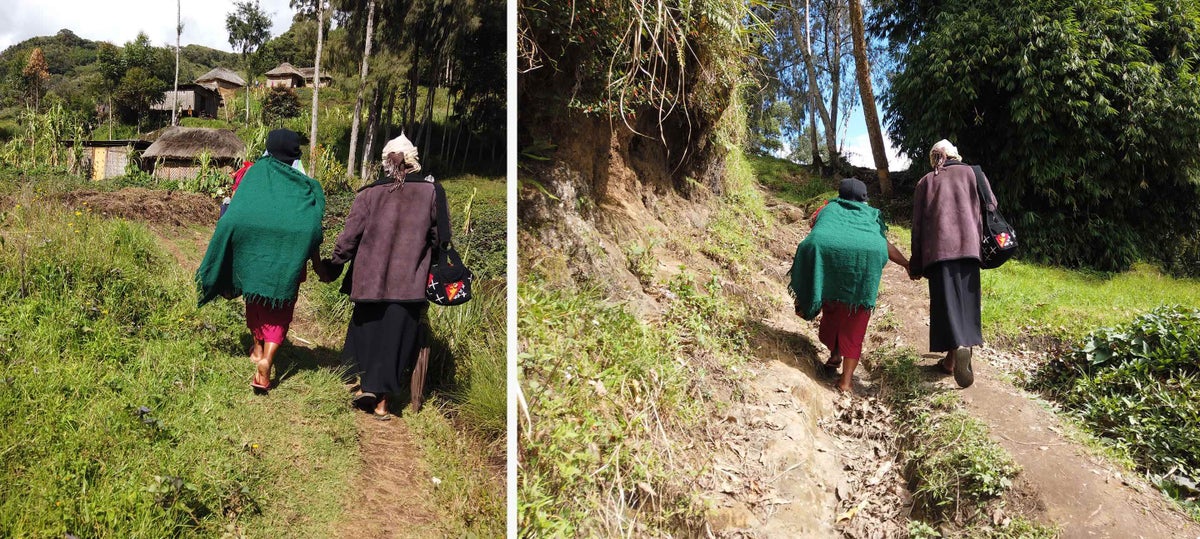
column 262, row 373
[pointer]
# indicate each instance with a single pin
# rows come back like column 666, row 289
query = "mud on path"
column 391, row 495
column 1081, row 492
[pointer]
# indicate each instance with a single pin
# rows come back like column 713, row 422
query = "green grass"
column 792, row 182
column 953, row 468
column 126, row 407
column 1021, row 298
column 611, row 399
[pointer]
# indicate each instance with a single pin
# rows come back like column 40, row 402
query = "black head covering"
column 284, row 145
column 853, row 189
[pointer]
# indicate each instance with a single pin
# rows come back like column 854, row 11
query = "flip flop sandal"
column 963, row 374
column 383, row 417
column 257, row 386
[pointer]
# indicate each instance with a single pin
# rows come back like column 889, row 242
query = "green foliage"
column 792, row 182
column 948, row 456
column 1138, row 384
column 676, row 62
column 1084, row 113
column 209, row 179
column 1023, row 299
column 125, row 406
column 38, row 145
column 279, row 104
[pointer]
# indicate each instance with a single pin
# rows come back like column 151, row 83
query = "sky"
column 118, row 21
column 857, row 146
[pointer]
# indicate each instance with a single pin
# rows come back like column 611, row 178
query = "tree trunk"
column 812, row 137
column 312, row 134
column 362, row 84
column 387, row 112
column 427, row 128
column 178, row 33
column 833, row 24
column 414, row 81
column 814, row 95
column 372, row 127
column 863, row 70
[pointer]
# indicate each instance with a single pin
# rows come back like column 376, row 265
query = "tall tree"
column 312, row 135
column 863, row 68
column 108, row 59
column 178, row 35
column 249, row 27
column 362, row 84
column 36, row 73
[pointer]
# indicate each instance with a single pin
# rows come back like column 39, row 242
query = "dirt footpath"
column 1083, row 494
column 391, row 496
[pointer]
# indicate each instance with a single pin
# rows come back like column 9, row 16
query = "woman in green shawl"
column 261, row 246
column 836, row 271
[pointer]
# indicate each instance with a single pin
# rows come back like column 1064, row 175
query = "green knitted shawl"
column 260, row 245
column 842, row 258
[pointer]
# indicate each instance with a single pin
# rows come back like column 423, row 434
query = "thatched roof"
column 284, row 69
column 220, row 73
column 190, row 142
column 308, row 72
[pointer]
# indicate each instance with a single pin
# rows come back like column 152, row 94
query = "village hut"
column 175, row 155
column 102, row 159
column 222, row 81
column 286, row 76
column 194, row 100
column 308, row 73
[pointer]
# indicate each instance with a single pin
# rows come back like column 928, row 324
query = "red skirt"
column 269, row 324
column 843, row 328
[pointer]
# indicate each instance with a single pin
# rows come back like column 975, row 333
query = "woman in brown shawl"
column 388, row 241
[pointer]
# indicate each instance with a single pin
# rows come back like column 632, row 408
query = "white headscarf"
column 942, row 150
column 401, row 145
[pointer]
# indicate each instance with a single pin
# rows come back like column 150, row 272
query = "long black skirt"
column 954, row 305
column 382, row 344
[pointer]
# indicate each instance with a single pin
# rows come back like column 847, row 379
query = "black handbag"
column 998, row 239
column 449, row 280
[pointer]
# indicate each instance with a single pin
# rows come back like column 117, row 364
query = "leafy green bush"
column 1085, row 115
column 1139, row 385
column 279, row 104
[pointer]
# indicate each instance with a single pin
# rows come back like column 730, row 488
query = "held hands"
column 321, row 268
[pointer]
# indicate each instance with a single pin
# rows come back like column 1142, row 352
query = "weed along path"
column 1081, row 493
column 391, row 495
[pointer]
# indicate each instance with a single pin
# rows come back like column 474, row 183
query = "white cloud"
column 118, row 21
column 858, row 153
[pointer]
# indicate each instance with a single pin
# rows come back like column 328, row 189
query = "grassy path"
column 1081, row 492
column 391, row 494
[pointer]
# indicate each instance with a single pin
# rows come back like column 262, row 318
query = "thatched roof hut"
column 285, row 75
column 309, row 72
column 220, row 77
column 176, row 153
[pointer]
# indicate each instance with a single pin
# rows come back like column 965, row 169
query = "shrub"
column 1139, row 385
column 281, row 103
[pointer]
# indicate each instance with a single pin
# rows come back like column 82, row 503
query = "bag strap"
column 983, row 200
column 443, row 214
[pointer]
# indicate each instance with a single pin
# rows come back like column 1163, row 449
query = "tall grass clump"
column 952, row 465
column 126, row 409
column 1137, row 384
column 611, row 404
